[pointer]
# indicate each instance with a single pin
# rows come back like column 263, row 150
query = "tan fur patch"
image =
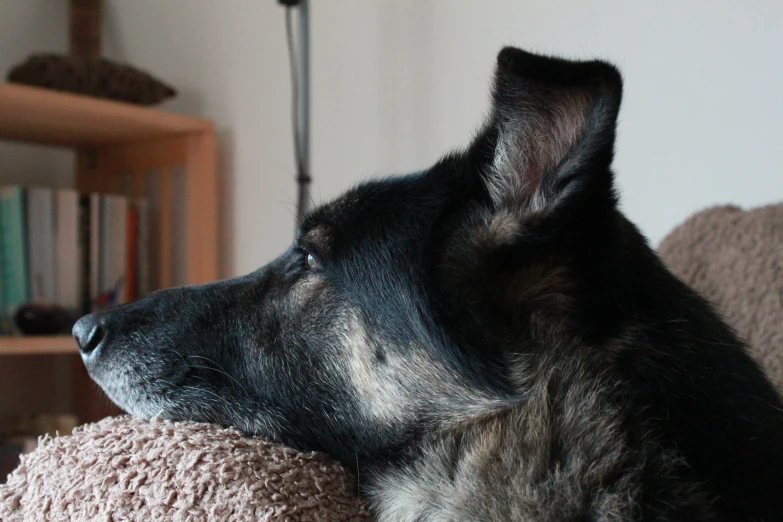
column 409, row 379
column 504, row 226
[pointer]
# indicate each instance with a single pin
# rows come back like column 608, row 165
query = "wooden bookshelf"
column 117, row 145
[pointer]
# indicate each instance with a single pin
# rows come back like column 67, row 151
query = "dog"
column 489, row 339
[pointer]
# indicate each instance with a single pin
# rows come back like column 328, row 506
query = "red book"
column 131, row 252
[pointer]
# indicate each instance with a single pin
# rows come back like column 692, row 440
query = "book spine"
column 119, row 247
column 14, row 249
column 85, row 267
column 132, row 241
column 68, row 282
column 143, row 245
column 105, row 295
column 114, row 231
column 40, row 241
column 96, row 221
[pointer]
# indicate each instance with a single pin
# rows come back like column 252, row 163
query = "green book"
column 13, row 278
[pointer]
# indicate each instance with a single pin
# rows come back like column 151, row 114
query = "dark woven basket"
column 91, row 76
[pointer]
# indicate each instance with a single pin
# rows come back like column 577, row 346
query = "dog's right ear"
column 551, row 132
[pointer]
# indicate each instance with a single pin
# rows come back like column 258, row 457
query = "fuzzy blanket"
column 125, row 469
column 734, row 258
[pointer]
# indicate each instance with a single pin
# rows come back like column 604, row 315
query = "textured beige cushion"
column 123, row 469
column 734, row 258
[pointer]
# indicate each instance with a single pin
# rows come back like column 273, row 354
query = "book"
column 83, row 252
column 40, row 244
column 85, row 302
column 69, row 272
column 94, row 287
column 113, row 250
column 13, row 251
column 119, row 247
column 143, row 283
column 131, row 253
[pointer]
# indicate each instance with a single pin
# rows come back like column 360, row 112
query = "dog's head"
column 408, row 303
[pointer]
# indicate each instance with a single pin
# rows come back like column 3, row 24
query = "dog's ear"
column 551, row 132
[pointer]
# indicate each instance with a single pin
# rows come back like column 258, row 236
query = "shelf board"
column 32, row 345
column 51, row 117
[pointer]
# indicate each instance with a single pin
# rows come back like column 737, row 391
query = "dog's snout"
column 89, row 333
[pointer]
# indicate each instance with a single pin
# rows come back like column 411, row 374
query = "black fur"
column 499, row 297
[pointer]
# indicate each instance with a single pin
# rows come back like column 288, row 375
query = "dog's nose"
column 89, row 334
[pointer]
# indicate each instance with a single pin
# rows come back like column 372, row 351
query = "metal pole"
column 303, row 111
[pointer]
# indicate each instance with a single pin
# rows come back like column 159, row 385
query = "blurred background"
column 396, row 84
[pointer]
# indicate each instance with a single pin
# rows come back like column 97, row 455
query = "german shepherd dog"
column 489, row 339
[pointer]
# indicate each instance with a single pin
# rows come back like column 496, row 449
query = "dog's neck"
column 553, row 458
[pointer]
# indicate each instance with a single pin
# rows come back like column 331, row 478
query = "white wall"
column 398, row 83
column 27, row 27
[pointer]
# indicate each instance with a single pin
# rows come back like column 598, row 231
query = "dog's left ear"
column 551, row 132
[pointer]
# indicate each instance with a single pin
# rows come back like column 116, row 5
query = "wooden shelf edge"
column 50, row 117
column 37, row 345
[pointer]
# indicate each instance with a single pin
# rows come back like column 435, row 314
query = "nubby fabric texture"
column 126, row 469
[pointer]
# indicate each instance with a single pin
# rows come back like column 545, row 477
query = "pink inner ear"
column 554, row 130
column 535, row 141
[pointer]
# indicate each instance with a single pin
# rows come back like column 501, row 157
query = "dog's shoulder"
column 566, row 453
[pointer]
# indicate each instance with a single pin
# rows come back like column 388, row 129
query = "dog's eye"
column 310, row 261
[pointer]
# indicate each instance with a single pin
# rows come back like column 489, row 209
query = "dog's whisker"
column 219, row 400
column 218, row 369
